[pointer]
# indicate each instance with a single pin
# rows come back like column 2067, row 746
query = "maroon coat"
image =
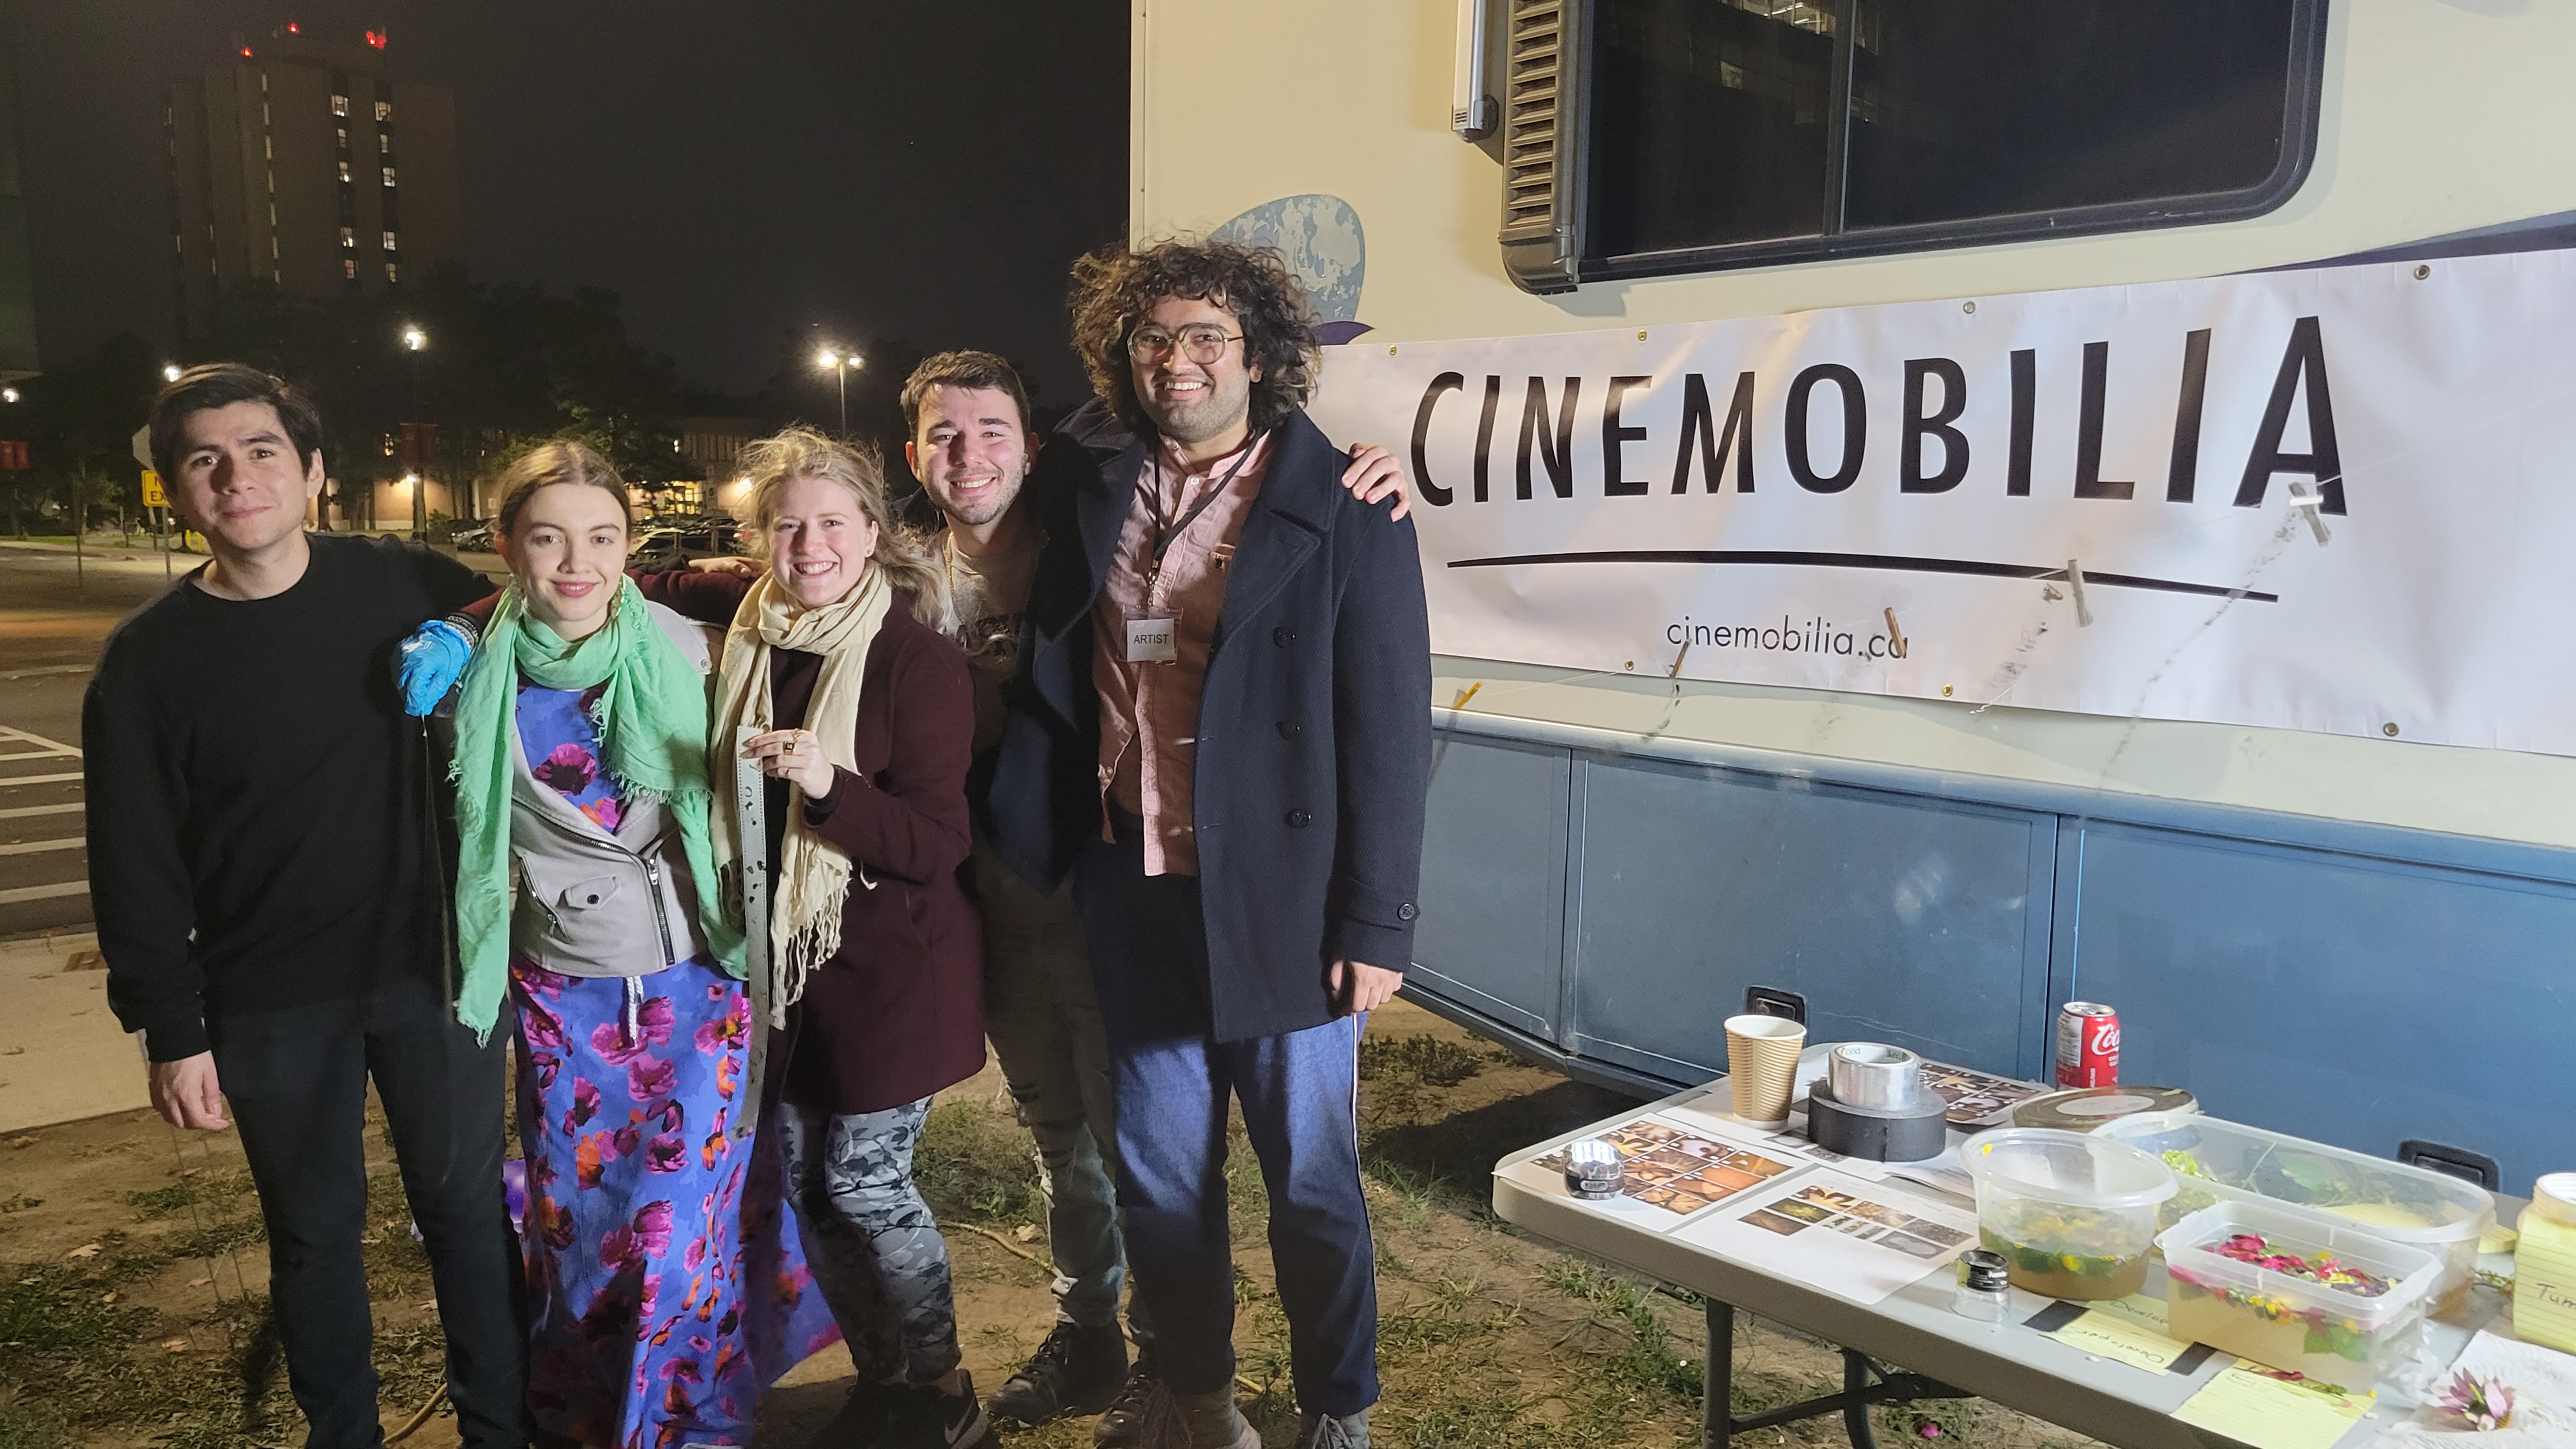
column 897, row 1012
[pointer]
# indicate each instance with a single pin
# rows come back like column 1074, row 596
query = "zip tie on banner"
column 1895, row 636
column 1465, row 695
column 2075, row 585
column 1675, row 673
column 2313, row 505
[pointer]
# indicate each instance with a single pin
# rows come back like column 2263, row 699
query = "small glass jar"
column 1983, row 1292
column 1594, row 1169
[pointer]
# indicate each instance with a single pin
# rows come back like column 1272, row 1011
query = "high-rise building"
column 17, row 262
column 303, row 163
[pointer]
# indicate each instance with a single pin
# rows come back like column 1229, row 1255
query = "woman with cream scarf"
column 667, row 1288
column 860, row 713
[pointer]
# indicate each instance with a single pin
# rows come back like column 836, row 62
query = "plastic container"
column 2221, row 1161
column 2073, row 1215
column 2544, row 1265
column 2335, row 1334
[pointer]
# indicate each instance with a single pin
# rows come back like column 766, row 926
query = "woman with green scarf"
column 666, row 1286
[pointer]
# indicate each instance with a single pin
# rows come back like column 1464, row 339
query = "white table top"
column 1916, row 1329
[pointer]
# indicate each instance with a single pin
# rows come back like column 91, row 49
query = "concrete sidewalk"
column 62, row 1057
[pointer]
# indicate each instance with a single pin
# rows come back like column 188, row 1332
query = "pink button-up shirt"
column 1149, row 713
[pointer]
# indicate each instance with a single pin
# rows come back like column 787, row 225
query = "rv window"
column 1751, row 132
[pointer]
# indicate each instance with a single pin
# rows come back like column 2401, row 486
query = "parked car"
column 472, row 538
column 656, row 548
column 712, row 538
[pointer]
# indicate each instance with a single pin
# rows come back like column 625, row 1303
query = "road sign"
column 143, row 445
column 153, row 494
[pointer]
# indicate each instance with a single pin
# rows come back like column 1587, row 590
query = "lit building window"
column 344, row 170
column 384, row 110
column 384, row 144
column 392, row 273
column 389, row 176
column 348, row 236
column 389, row 242
column 339, row 105
column 349, row 268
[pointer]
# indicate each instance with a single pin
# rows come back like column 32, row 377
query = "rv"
column 2332, row 893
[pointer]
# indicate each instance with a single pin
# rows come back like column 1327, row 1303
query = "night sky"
column 890, row 170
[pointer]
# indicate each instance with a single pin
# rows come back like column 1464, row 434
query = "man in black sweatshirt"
column 257, row 806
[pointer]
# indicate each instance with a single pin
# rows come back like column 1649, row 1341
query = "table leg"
column 1856, row 1401
column 1716, row 1415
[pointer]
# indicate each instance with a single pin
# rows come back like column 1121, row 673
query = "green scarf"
column 652, row 722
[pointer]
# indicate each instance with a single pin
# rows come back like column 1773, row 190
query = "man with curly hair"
column 1222, row 734
column 970, row 444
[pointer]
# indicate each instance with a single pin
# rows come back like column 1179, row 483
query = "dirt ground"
column 132, row 1272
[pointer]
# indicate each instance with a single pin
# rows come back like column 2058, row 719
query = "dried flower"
column 2481, row 1402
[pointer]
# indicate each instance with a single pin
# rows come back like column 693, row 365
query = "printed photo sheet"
column 1863, row 1240
column 1676, row 1170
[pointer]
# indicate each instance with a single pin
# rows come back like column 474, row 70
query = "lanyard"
column 1164, row 537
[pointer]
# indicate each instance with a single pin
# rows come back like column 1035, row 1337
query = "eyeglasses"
column 1202, row 343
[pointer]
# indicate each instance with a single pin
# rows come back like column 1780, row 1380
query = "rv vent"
column 1541, row 140
column 1529, row 118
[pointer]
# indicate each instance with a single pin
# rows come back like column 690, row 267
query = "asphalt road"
column 54, row 616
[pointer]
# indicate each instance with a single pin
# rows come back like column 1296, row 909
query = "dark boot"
column 1122, row 1425
column 1077, row 1370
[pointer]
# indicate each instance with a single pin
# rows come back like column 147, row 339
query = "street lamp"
column 170, row 372
column 416, row 342
column 8, row 394
column 841, row 365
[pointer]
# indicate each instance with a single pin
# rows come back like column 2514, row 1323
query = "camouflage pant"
column 876, row 1253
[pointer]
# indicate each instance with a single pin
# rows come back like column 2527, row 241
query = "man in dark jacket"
column 266, row 901
column 1223, row 733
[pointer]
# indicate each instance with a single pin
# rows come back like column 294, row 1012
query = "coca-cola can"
column 2088, row 1045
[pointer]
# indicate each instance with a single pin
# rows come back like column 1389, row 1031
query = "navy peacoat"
column 1314, row 739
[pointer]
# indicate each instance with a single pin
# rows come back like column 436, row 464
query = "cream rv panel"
column 2436, row 118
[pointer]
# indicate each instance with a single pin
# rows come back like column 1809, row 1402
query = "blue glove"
column 429, row 663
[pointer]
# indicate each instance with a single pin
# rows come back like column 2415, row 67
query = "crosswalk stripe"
column 20, row 812
column 8, row 780
column 33, row 847
column 44, row 892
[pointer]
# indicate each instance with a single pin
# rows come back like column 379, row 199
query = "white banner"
column 2335, row 500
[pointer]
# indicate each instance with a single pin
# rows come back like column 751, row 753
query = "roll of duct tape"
column 1868, row 1074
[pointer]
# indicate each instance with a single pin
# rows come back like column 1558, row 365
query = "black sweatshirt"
column 256, row 794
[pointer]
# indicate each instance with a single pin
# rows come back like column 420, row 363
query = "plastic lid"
column 2440, row 1208
column 2553, row 1196
column 2061, row 1166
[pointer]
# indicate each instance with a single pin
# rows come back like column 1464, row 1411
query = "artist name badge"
column 1151, row 641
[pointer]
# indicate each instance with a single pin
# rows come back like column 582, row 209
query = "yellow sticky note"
column 2246, row 1403
column 2121, row 1340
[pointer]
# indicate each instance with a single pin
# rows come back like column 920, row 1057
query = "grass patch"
column 1422, row 1057
column 974, row 1164
column 1645, row 1360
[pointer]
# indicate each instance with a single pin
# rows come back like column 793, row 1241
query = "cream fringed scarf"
column 812, row 876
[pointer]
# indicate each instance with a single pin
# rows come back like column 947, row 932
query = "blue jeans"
column 1300, row 1097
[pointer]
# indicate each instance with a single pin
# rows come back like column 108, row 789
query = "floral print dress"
column 667, row 1287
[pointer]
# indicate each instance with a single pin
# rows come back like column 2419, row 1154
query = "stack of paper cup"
column 1762, row 1066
